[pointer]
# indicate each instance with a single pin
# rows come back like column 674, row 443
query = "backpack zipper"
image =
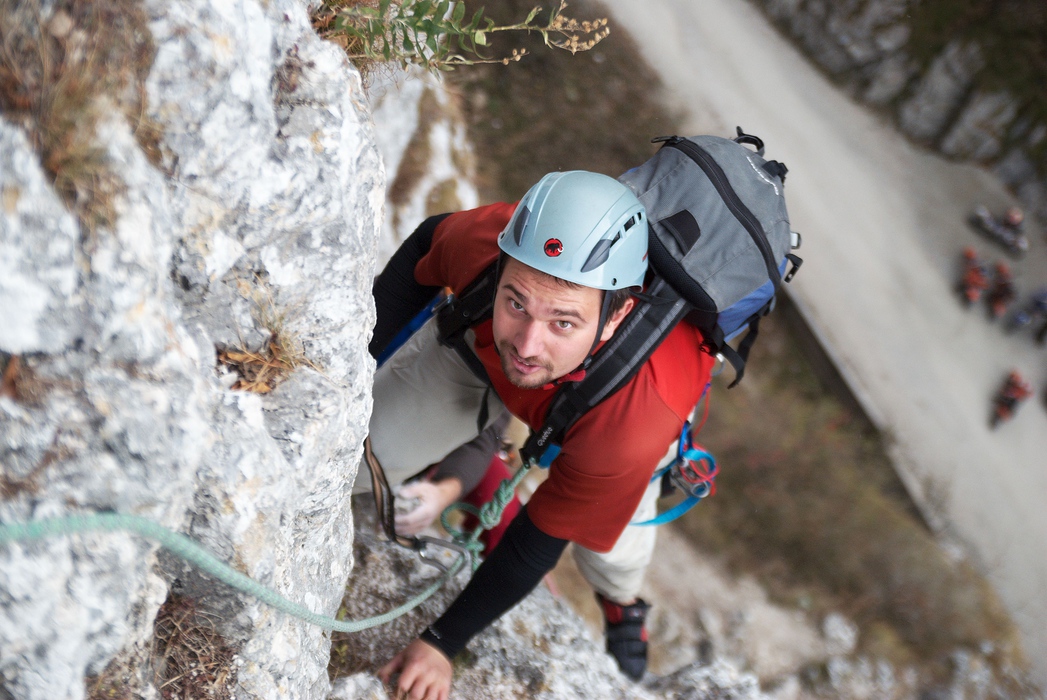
column 741, row 212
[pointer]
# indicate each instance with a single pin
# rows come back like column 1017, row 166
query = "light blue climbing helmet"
column 583, row 227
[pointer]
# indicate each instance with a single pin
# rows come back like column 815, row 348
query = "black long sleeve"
column 523, row 556
column 397, row 295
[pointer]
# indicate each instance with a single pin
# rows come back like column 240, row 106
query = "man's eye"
column 516, row 306
column 564, row 325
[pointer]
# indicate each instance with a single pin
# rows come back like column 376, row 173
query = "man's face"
column 543, row 329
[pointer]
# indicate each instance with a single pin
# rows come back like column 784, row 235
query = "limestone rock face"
column 429, row 161
column 38, row 274
column 260, row 223
column 979, row 132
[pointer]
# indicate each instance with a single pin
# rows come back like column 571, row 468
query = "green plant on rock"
column 438, row 35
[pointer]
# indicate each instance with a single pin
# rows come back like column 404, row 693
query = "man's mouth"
column 522, row 366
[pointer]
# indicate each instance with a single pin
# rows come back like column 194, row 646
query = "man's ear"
column 616, row 318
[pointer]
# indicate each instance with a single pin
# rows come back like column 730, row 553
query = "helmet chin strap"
column 605, row 312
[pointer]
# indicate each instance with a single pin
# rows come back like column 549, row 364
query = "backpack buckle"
column 796, row 261
column 448, row 300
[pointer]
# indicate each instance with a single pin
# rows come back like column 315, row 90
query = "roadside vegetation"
column 809, row 503
column 440, row 35
column 807, row 500
column 594, row 111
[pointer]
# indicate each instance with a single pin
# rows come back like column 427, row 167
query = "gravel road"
column 883, row 224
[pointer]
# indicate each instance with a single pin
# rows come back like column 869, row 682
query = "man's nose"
column 528, row 340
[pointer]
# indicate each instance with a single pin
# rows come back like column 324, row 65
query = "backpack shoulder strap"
column 618, row 361
column 458, row 313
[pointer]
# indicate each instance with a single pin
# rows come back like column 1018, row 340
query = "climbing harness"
column 466, row 544
column 693, row 471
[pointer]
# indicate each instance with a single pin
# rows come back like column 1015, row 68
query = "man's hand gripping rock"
column 425, row 673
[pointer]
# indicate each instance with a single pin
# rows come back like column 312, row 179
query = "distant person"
column 1013, row 219
column 1003, row 292
column 1005, row 230
column 1014, row 391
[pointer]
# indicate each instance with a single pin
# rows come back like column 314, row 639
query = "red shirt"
column 610, row 453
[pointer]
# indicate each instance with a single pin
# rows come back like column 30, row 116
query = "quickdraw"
column 384, row 501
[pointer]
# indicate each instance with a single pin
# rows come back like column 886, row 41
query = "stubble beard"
column 522, row 381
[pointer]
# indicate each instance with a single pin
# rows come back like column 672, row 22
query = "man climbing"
column 570, row 255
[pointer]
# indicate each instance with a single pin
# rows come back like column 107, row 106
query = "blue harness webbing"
column 693, row 471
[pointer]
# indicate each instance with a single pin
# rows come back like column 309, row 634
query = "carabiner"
column 423, row 541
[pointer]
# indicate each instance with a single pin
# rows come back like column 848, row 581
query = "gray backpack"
column 720, row 233
column 718, row 251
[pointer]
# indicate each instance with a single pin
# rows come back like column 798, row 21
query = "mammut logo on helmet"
column 553, row 247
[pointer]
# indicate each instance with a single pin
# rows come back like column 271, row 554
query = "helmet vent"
column 522, row 215
column 598, row 256
column 630, row 223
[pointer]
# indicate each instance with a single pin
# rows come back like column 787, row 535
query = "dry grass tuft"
column 190, row 658
column 20, row 383
column 9, row 375
column 323, row 19
column 260, row 372
column 61, row 70
column 111, row 684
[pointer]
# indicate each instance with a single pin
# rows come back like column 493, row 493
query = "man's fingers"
column 414, row 522
column 408, row 685
column 425, row 673
column 410, row 490
column 419, row 687
column 386, row 672
column 408, row 528
column 424, row 512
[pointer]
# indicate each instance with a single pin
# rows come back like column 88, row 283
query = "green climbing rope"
column 182, row 546
column 489, row 515
column 199, row 557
